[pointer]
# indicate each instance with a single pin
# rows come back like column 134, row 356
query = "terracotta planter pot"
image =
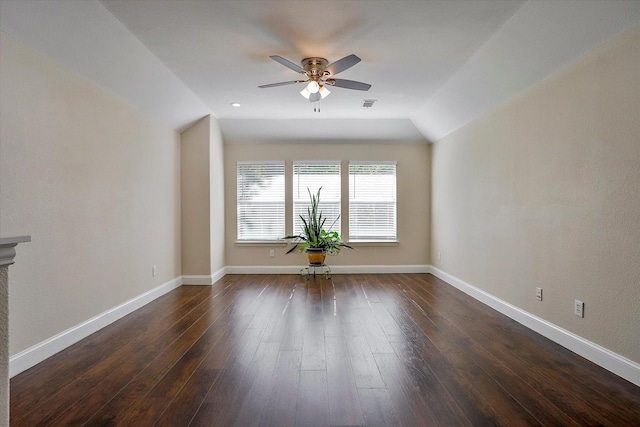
column 316, row 256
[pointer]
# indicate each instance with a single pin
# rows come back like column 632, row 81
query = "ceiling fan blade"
column 348, row 84
column 295, row 67
column 281, row 84
column 342, row 64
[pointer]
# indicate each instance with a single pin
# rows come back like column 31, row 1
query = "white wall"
column 95, row 183
column 545, row 191
column 413, row 175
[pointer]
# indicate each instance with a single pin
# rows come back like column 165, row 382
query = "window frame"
column 240, row 204
column 359, row 238
column 303, row 196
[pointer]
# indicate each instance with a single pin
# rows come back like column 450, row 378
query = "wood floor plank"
column 365, row 349
column 122, row 361
column 199, row 321
column 468, row 398
column 344, row 403
column 508, row 410
column 377, row 407
column 377, row 339
column 162, row 394
column 387, row 323
column 259, row 380
column 332, row 317
column 280, row 290
column 186, row 402
column 313, row 348
column 545, row 404
column 223, row 399
column 445, row 408
column 451, row 338
column 101, row 399
column 409, row 405
column 46, row 379
column 365, row 370
column 287, row 324
column 281, row 406
column 313, row 400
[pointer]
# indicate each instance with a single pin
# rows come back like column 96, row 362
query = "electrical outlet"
column 539, row 294
column 154, row 271
column 439, row 256
column 579, row 308
column 272, row 253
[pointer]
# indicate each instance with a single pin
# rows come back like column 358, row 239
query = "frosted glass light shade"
column 313, row 87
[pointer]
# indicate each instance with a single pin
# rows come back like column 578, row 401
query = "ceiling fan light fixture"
column 317, row 72
column 305, row 92
column 313, row 86
column 324, row 92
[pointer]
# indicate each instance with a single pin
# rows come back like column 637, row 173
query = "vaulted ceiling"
column 433, row 65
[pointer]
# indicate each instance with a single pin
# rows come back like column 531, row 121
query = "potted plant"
column 314, row 239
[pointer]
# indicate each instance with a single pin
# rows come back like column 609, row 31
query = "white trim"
column 197, row 280
column 218, row 275
column 263, row 269
column 260, row 162
column 599, row 355
column 335, row 269
column 204, row 279
column 360, row 243
column 373, row 162
column 317, row 162
column 33, row 355
column 379, row 269
column 261, row 242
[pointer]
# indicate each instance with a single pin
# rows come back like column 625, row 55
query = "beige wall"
column 202, row 198
column 194, row 158
column 545, row 191
column 94, row 182
column 413, row 202
column 216, row 197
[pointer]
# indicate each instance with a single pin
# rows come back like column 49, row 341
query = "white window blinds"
column 372, row 201
column 312, row 176
column 260, row 193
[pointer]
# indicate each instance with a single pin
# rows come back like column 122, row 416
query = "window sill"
column 356, row 243
column 261, row 243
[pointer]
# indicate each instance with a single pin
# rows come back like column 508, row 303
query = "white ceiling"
column 433, row 65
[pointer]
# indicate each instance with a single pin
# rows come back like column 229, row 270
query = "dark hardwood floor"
column 394, row 349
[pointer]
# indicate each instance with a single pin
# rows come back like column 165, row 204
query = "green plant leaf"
column 313, row 233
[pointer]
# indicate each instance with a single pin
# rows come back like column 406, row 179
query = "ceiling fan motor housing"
column 314, row 66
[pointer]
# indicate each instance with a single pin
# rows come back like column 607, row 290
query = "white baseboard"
column 33, row 355
column 335, row 269
column 205, row 279
column 599, row 355
column 263, row 269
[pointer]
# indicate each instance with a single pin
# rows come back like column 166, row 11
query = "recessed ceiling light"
column 235, row 104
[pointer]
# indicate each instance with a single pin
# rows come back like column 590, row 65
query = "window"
column 309, row 177
column 372, row 201
column 260, row 195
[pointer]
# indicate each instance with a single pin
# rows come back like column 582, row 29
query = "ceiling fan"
column 319, row 74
